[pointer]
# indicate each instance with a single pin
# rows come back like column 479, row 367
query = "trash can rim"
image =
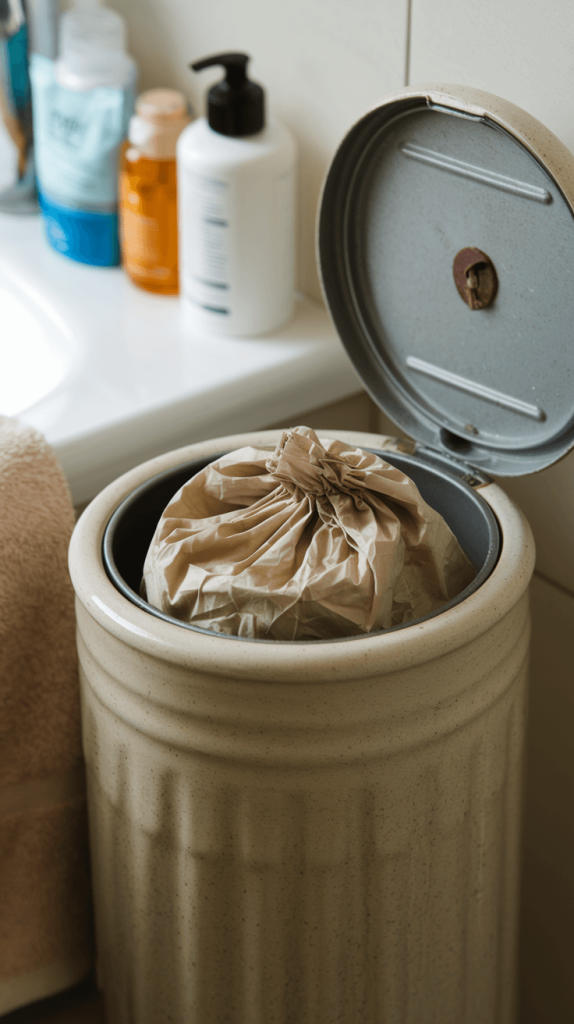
column 240, row 658
column 126, row 506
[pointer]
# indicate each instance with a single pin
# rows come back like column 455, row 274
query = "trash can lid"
column 446, row 249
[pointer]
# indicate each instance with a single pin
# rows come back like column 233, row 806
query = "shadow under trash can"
column 328, row 831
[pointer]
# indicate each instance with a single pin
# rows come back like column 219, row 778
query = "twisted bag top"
column 315, row 541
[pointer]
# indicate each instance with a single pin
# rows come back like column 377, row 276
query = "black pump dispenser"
column 235, row 105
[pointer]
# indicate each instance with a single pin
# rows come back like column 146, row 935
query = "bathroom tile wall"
column 323, row 63
column 520, row 49
column 524, row 50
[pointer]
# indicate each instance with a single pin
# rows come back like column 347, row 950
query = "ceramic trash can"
column 328, row 831
column 310, row 832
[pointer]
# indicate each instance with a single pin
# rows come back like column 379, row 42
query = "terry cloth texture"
column 45, row 902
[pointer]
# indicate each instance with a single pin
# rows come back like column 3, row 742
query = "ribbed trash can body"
column 315, row 833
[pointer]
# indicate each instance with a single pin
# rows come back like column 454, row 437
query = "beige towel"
column 45, row 914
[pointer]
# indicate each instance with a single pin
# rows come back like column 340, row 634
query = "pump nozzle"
column 235, row 105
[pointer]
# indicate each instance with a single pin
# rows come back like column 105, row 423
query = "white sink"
column 112, row 376
column 37, row 351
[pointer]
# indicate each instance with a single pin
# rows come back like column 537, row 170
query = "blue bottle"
column 81, row 106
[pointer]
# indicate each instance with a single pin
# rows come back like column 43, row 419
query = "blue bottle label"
column 82, row 235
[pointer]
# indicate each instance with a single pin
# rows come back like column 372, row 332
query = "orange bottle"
column 148, row 192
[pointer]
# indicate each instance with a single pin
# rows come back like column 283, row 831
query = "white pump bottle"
column 236, row 210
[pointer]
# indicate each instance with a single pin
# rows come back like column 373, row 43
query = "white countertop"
column 125, row 380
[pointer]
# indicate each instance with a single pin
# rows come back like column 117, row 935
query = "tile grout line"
column 553, row 583
column 408, row 42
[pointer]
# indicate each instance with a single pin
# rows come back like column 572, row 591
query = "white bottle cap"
column 160, row 117
column 92, row 50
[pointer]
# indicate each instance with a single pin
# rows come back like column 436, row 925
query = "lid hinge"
column 455, row 112
column 468, row 474
column 406, row 446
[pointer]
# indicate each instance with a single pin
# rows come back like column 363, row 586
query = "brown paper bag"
column 313, row 541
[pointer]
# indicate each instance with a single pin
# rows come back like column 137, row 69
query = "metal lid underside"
column 411, row 185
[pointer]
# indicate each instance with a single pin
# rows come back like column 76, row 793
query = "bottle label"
column 142, row 246
column 140, row 239
column 205, row 217
column 77, row 138
column 82, row 235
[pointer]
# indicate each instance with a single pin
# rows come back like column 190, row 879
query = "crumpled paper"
column 316, row 540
